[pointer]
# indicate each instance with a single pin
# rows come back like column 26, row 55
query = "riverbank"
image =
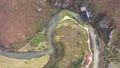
column 52, row 23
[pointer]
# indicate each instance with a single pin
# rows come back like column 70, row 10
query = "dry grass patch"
column 15, row 63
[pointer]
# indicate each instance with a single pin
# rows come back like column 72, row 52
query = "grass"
column 39, row 37
column 69, row 14
column 62, row 49
column 81, row 23
column 64, row 13
column 68, row 54
column 31, row 63
column 39, row 42
column 53, row 63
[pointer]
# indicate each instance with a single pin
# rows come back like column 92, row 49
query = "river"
column 51, row 25
column 29, row 55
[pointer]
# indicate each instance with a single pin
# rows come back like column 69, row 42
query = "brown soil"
column 20, row 19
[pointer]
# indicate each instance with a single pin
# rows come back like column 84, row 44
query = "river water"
column 50, row 28
column 29, row 55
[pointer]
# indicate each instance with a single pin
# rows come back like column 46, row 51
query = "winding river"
column 29, row 55
column 51, row 25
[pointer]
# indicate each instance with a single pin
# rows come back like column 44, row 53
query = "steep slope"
column 20, row 20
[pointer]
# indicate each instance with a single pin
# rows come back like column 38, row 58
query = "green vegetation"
column 69, row 14
column 78, row 46
column 65, row 13
column 59, row 54
column 26, row 63
column 81, row 23
column 37, row 39
column 70, row 42
column 38, row 42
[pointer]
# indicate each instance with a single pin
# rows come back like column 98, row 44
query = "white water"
column 110, row 37
column 87, row 12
